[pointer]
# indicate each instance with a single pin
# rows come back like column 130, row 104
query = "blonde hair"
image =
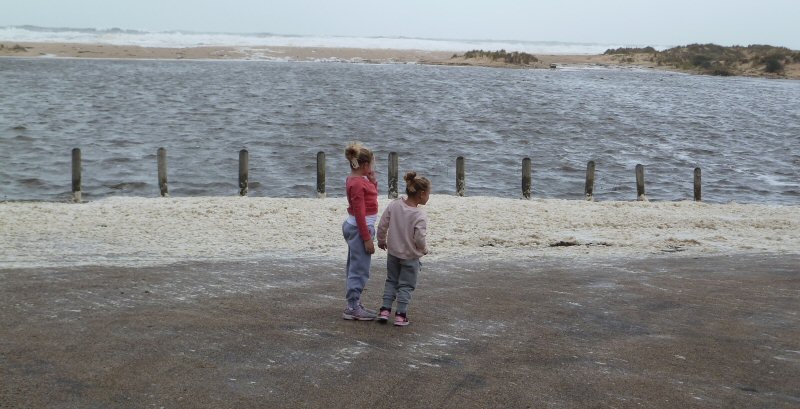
column 416, row 184
column 356, row 154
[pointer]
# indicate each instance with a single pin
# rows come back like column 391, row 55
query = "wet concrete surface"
column 658, row 332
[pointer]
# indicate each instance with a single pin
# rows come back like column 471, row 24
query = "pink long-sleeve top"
column 403, row 229
column 362, row 200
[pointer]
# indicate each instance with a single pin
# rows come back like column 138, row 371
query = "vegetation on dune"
column 703, row 58
column 627, row 50
column 18, row 47
column 715, row 59
column 515, row 58
column 627, row 54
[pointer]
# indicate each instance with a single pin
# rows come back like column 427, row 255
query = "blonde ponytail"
column 356, row 154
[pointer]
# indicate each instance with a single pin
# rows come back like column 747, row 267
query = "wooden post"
column 640, row 183
column 588, row 191
column 526, row 178
column 76, row 175
column 697, row 186
column 460, row 182
column 321, row 175
column 162, row 172
column 244, row 165
column 393, row 162
column 392, row 175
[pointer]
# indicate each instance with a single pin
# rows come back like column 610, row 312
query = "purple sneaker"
column 367, row 309
column 358, row 314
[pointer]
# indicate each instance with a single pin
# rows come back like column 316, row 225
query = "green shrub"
column 702, row 61
column 773, row 64
column 516, row 58
column 721, row 71
column 627, row 50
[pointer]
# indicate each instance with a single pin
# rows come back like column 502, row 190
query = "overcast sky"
column 643, row 22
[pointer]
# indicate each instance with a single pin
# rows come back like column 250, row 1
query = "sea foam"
column 153, row 231
column 181, row 39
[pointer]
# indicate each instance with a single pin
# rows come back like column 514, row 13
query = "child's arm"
column 420, row 231
column 383, row 227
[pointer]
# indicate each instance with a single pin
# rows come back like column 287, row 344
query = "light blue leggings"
column 358, row 263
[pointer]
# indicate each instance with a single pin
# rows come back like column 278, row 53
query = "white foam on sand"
column 150, row 231
column 198, row 39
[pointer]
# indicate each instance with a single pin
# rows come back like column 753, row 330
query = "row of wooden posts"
column 244, row 160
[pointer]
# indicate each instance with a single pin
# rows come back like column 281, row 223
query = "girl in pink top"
column 401, row 233
column 359, row 228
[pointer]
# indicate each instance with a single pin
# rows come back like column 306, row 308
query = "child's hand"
column 382, row 245
column 371, row 176
column 370, row 246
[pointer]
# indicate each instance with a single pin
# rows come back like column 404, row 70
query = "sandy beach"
column 234, row 302
column 279, row 53
column 560, row 303
column 130, row 231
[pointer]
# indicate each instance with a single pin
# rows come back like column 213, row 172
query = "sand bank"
column 149, row 231
column 277, row 53
column 280, row 53
column 341, row 54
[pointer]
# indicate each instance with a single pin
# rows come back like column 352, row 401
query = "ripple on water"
column 738, row 131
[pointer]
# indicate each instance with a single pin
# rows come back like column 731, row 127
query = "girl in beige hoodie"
column 401, row 232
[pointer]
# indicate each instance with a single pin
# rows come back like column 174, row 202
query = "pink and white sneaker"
column 400, row 320
column 383, row 316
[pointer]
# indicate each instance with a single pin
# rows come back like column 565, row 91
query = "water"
column 744, row 133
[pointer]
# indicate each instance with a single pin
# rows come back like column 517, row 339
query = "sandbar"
column 354, row 55
column 282, row 53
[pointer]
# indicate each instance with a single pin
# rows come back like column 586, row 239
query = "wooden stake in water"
column 162, row 172
column 244, row 165
column 588, row 191
column 321, row 175
column 526, row 178
column 697, row 186
column 461, row 187
column 76, row 175
column 640, row 183
column 393, row 175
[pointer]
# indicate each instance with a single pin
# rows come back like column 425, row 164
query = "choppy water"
column 744, row 133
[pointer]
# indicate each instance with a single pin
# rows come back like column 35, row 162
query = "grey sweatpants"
column 358, row 263
column 401, row 279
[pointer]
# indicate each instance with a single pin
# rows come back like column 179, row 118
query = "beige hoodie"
column 406, row 227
